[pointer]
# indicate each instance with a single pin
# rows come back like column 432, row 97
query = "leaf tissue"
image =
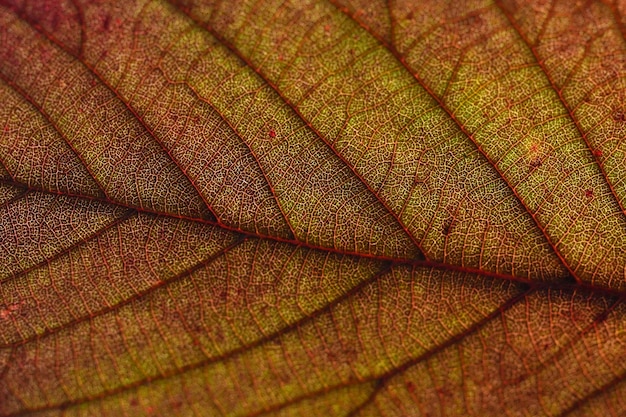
column 312, row 208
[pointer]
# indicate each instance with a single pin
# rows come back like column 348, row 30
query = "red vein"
column 4, row 167
column 280, row 333
column 130, row 108
column 48, row 119
column 386, row 378
column 13, row 199
column 451, row 341
column 215, row 224
column 559, row 93
column 219, row 358
column 598, row 319
column 560, row 283
column 249, row 64
column 463, row 129
column 297, row 112
column 371, row 398
column 307, row 396
column 119, row 220
column 139, row 295
column 238, row 134
column 380, row 381
column 603, row 389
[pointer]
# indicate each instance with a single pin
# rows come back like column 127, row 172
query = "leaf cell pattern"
column 315, row 207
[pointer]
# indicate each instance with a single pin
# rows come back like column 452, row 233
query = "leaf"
column 317, row 207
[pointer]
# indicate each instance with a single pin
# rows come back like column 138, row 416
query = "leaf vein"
column 559, row 93
column 139, row 295
column 5, row 80
column 247, row 62
column 465, row 131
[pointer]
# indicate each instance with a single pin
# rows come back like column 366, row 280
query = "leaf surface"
column 329, row 207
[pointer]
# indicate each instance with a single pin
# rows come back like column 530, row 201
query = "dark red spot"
column 272, row 133
column 535, row 163
column 597, row 153
column 327, row 28
column 444, row 392
column 410, row 16
column 410, row 386
column 106, row 23
column 619, row 116
column 134, row 402
column 589, row 193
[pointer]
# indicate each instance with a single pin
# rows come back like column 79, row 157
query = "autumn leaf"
column 312, row 207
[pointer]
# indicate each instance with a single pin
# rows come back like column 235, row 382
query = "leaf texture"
column 316, row 207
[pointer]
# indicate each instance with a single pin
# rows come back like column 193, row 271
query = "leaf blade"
column 364, row 246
